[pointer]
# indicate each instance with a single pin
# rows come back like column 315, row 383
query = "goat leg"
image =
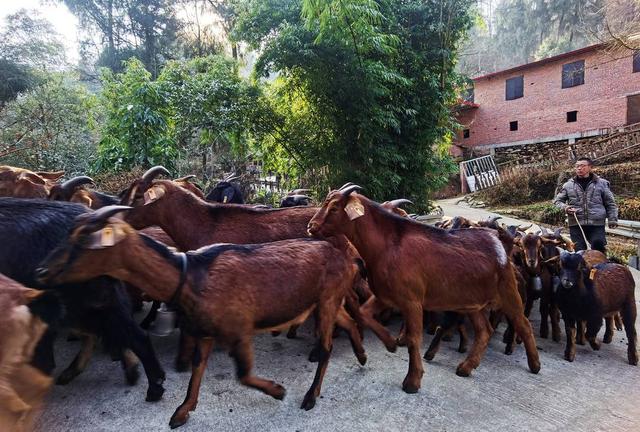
column 608, row 332
column 345, row 322
column 580, row 337
column 242, row 353
column 449, row 321
column 618, row 321
column 327, row 313
column 554, row 314
column 629, row 319
column 80, row 361
column 368, row 311
column 483, row 330
column 185, row 350
column 181, row 414
column 570, row 330
column 593, row 327
column 412, row 314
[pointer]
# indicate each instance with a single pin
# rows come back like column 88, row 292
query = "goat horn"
column 106, row 212
column 493, row 219
column 154, row 172
column 75, row 182
column 185, row 178
column 398, row 202
column 345, row 185
column 524, row 227
column 297, row 196
column 347, row 191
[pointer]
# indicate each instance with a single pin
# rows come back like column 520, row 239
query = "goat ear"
column 354, row 208
column 51, row 176
column 108, row 236
column 153, row 194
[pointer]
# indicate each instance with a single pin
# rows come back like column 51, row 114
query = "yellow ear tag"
column 354, row 209
column 150, row 196
column 108, row 237
column 592, row 274
column 226, row 198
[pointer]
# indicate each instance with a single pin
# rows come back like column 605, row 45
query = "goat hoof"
column 308, row 402
column 462, row 349
column 594, row 345
column 409, row 387
column 275, row 333
column 556, row 338
column 178, row 420
column 463, row 371
column 633, row 359
column 67, row 376
column 508, row 350
column 362, row 359
column 534, row 366
column 607, row 338
column 401, row 341
column 292, row 334
column 132, row 374
column 278, row 392
column 569, row 357
column 391, row 346
column 154, row 394
column 429, row 355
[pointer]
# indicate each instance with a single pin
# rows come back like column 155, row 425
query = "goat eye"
column 333, row 209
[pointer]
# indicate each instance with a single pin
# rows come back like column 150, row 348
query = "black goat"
column 29, row 230
column 589, row 293
column 226, row 192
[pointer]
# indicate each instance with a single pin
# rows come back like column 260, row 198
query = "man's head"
column 583, row 167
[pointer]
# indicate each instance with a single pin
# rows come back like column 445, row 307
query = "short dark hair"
column 586, row 159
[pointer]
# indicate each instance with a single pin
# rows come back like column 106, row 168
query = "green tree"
column 28, row 47
column 51, row 127
column 139, row 129
column 364, row 88
column 143, row 28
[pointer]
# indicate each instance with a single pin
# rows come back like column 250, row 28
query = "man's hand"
column 613, row 225
column 570, row 210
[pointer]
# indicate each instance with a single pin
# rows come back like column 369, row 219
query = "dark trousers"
column 595, row 235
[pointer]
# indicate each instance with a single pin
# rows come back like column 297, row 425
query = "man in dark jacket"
column 588, row 201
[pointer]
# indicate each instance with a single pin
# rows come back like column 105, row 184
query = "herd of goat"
column 232, row 270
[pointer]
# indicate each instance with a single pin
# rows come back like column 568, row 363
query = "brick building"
column 552, row 102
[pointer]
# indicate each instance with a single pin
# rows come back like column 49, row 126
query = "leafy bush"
column 629, row 208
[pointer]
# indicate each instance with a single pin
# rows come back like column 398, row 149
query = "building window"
column 572, row 116
column 636, row 61
column 513, row 126
column 515, row 87
column 465, row 133
column 573, row 74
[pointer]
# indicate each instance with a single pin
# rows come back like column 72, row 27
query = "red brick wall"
column 601, row 101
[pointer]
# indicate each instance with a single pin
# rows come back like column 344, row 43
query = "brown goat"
column 226, row 292
column 536, row 267
column 22, row 387
column 23, row 183
column 415, row 267
column 193, row 223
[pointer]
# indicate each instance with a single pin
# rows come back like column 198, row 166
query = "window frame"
column 513, row 125
column 575, row 79
column 573, row 114
column 515, row 94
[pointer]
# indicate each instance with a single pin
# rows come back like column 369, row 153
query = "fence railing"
column 627, row 228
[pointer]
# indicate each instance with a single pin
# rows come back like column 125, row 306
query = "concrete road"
column 598, row 392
